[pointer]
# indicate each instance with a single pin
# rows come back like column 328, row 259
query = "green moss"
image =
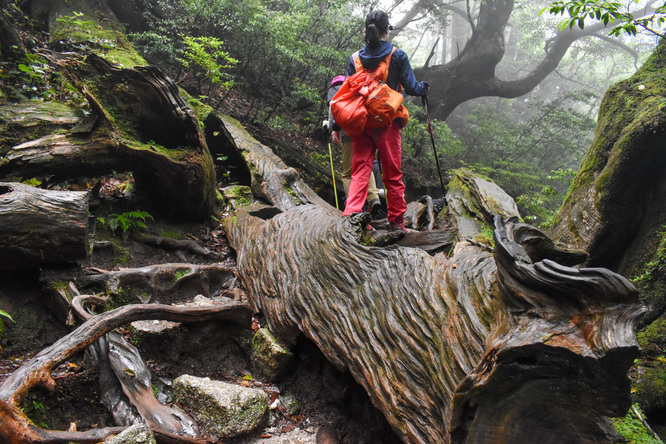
column 368, row 241
column 172, row 234
column 106, row 38
column 650, row 388
column 292, row 193
column 124, row 257
column 633, row 429
column 201, row 110
column 174, row 154
column 485, row 236
column 58, row 285
column 179, row 274
column 655, row 333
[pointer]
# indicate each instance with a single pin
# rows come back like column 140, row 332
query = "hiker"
column 385, row 140
column 340, row 138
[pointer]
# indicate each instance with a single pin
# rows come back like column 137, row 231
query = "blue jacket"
column 400, row 70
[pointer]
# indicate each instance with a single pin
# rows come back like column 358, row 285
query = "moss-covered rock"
column 136, row 434
column 472, row 203
column 225, row 410
column 269, row 357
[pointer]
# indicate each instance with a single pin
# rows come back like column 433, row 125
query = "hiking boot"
column 397, row 226
column 373, row 207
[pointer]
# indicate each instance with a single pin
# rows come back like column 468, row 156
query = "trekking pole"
column 424, row 99
column 335, row 191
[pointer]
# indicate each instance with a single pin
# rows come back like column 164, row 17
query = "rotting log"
column 41, row 226
column 134, row 119
column 440, row 342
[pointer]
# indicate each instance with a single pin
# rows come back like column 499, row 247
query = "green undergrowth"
column 633, row 429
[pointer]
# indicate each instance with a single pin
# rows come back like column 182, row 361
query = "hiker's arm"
column 406, row 75
column 351, row 67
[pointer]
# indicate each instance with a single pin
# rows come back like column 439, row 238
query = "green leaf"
column 5, row 314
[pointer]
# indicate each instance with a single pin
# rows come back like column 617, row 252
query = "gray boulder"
column 223, row 409
column 136, row 434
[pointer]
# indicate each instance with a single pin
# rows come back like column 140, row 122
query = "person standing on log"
column 339, row 137
column 387, row 140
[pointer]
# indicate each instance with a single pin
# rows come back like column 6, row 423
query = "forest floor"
column 333, row 407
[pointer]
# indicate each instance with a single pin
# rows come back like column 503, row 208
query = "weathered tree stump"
column 134, row 119
column 41, row 226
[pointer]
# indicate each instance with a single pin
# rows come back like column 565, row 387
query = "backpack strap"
column 357, row 62
column 359, row 66
column 387, row 60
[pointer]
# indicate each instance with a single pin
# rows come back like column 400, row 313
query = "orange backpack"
column 365, row 100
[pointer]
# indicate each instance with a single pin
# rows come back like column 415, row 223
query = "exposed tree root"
column 162, row 282
column 16, row 428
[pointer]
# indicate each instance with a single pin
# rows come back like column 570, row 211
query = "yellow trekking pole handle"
column 335, row 191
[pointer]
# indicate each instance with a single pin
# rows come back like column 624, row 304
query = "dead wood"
column 15, row 428
column 41, row 226
column 163, row 283
column 161, row 142
column 412, row 328
column 272, row 180
column 36, row 372
column 438, row 342
column 178, row 244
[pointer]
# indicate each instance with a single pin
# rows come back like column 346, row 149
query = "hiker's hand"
column 336, row 137
column 427, row 87
column 324, row 124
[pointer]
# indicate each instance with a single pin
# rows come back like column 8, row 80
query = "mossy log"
column 440, row 342
column 133, row 119
column 41, row 226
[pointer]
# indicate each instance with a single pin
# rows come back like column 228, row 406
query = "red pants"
column 387, row 142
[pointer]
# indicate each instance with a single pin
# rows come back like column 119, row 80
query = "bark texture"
column 439, row 342
column 41, row 226
column 617, row 198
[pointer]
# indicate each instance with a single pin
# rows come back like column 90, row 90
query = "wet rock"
column 269, row 358
column 291, row 404
column 136, row 434
column 223, row 409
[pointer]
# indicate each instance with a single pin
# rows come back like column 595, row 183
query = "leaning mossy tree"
column 615, row 211
column 115, row 114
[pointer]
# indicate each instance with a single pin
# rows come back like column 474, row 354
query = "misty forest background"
column 269, row 64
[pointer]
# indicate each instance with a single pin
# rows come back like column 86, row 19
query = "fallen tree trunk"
column 41, row 226
column 426, row 335
column 467, row 348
